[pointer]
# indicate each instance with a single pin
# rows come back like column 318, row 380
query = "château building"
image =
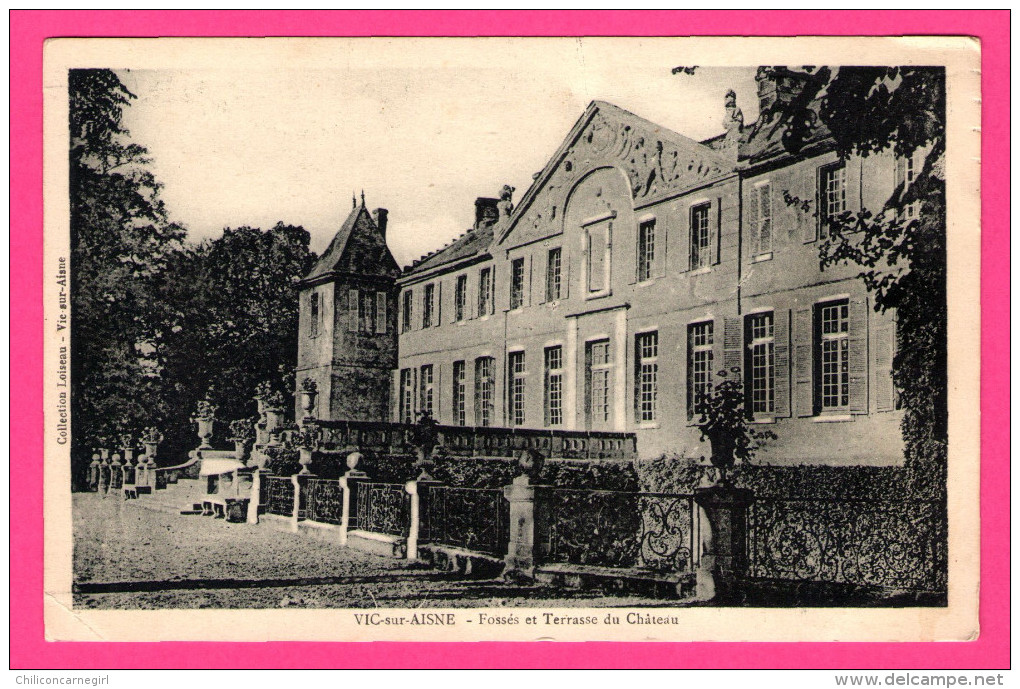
column 638, row 267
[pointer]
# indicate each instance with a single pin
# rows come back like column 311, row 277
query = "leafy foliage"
column 724, row 422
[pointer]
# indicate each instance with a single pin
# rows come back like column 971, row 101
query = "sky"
column 422, row 126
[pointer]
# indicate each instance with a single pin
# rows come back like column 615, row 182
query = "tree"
column 121, row 240
column 229, row 321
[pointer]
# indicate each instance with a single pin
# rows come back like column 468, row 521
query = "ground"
column 128, row 557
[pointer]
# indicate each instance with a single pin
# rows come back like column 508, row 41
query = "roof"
column 474, row 242
column 368, row 255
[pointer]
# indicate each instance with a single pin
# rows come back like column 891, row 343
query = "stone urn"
column 242, row 449
column 274, row 419
column 723, row 455
column 353, row 460
column 307, row 396
column 530, row 463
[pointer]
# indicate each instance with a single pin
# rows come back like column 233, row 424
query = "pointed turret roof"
column 358, row 248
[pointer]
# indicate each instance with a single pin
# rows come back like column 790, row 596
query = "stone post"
column 129, row 466
column 724, row 559
column 296, row 510
column 93, row 483
column 104, row 470
column 141, row 473
column 347, row 483
column 414, row 523
column 255, row 496
column 116, row 472
column 529, row 527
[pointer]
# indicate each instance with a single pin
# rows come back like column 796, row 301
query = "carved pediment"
column 656, row 161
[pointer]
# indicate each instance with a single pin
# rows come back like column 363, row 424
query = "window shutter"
column 352, row 310
column 381, row 322
column 541, row 265
column 811, row 223
column 781, row 340
column 733, row 350
column 803, row 337
column 858, row 363
column 438, row 320
column 715, row 230
column 685, row 242
column 854, row 172
column 529, row 283
column 754, row 237
column 564, row 273
column 885, row 394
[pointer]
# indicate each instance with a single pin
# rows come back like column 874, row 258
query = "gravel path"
column 127, row 557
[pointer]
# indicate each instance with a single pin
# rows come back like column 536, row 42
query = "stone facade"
column 638, row 266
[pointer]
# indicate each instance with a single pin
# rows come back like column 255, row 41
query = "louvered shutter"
column 715, row 230
column 541, row 264
column 885, row 394
column 381, row 322
column 810, row 224
column 564, row 273
column 733, row 349
column 685, row 241
column 858, row 356
column 438, row 320
column 352, row 310
column 781, row 339
column 803, row 336
column 753, row 235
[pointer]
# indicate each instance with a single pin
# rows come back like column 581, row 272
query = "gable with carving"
column 656, row 161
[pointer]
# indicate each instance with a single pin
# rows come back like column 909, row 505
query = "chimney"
column 380, row 216
column 486, row 211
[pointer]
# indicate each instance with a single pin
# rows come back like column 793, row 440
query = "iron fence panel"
column 654, row 531
column 890, row 544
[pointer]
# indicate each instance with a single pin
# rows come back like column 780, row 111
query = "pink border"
column 29, row 650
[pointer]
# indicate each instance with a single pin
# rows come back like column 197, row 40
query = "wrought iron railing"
column 323, row 500
column 654, row 531
column 279, row 498
column 889, row 544
column 469, row 441
column 381, row 508
column 475, row 519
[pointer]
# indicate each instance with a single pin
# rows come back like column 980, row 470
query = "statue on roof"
column 505, row 204
column 733, row 120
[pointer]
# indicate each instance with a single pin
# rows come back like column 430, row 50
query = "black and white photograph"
column 515, row 338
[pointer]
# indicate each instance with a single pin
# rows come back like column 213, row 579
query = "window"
column 553, row 275
column 313, row 314
column 427, row 306
column 831, row 196
column 459, row 374
column 699, row 366
column 427, row 394
column 406, row 411
column 700, row 237
column 460, row 298
column 600, row 366
column 517, row 284
column 646, row 250
column 646, row 350
column 515, row 406
column 599, row 257
column 367, row 312
column 354, row 311
column 905, row 175
column 408, row 311
column 553, row 386
column 761, row 364
column 484, row 385
column 761, row 220
column 381, row 321
column 485, row 292
column 833, row 360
